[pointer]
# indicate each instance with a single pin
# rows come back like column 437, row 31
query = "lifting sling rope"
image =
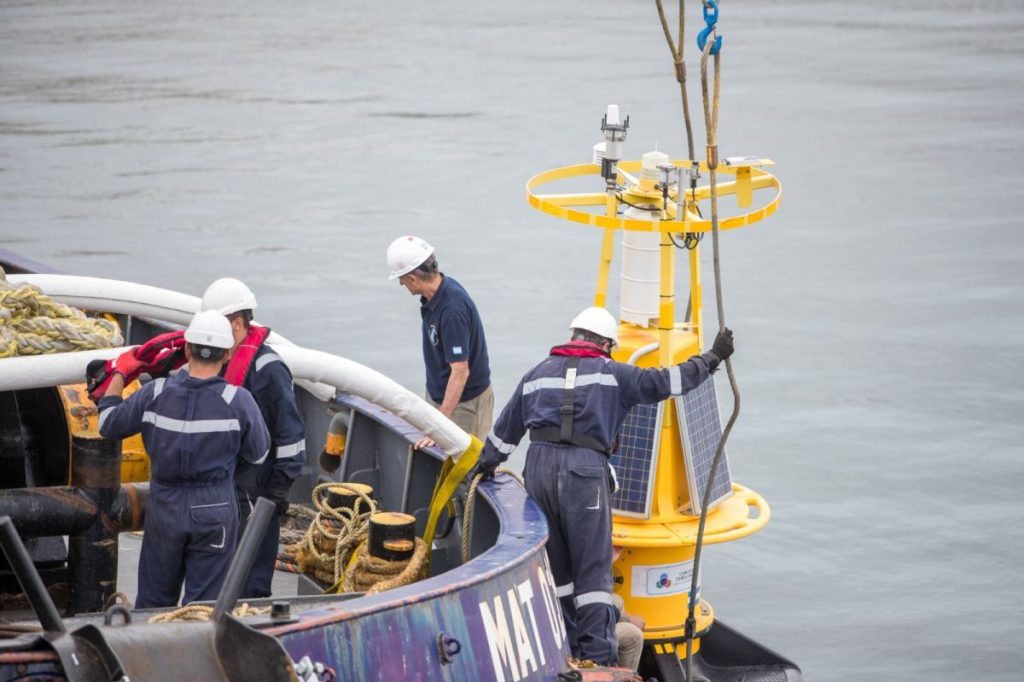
column 709, row 47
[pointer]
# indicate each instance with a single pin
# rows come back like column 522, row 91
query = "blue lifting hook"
column 710, row 18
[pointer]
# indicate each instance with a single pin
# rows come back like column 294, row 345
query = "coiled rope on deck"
column 372, row 574
column 334, row 550
column 32, row 323
column 295, row 523
column 198, row 613
column 332, row 536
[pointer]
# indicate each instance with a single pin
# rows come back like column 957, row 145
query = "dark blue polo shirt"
column 452, row 332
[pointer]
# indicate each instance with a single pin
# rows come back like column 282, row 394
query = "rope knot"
column 680, row 70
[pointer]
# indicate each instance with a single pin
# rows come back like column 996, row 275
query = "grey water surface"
column 879, row 315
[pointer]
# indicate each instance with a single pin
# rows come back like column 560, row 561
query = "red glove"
column 157, row 356
column 100, row 372
column 128, row 365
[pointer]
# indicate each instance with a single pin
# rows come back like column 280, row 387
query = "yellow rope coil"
column 581, row 663
column 197, row 613
column 32, row 323
column 333, row 535
column 371, row 574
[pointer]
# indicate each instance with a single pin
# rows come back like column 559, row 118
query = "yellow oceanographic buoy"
column 656, row 203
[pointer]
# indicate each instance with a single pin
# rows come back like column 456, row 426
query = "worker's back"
column 603, row 393
column 194, row 429
column 597, row 408
column 270, row 382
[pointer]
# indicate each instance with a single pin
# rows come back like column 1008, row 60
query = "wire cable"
column 711, row 104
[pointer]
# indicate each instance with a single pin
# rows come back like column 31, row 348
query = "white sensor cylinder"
column 641, row 254
column 649, row 166
column 612, row 115
column 641, row 267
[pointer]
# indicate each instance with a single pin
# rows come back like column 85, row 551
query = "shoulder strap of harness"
column 566, row 411
column 245, row 355
column 565, row 432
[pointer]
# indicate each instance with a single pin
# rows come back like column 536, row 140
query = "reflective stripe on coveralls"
column 270, row 382
column 191, row 522
column 572, row 483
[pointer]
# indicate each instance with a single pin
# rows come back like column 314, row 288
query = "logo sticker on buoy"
column 658, row 581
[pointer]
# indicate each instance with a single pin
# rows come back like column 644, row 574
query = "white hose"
column 39, row 371
column 137, row 300
column 370, row 384
column 323, row 369
column 96, row 293
column 642, row 351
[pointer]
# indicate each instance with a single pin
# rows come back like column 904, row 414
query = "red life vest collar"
column 245, row 354
column 580, row 349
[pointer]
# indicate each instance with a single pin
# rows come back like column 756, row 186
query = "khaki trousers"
column 474, row 416
column 631, row 645
column 630, row 637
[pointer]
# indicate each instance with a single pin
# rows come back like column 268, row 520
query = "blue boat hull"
column 493, row 617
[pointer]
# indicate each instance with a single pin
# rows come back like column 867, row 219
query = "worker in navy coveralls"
column 573, row 404
column 454, row 347
column 195, row 426
column 256, row 366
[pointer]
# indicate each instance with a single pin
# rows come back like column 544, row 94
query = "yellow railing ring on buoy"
column 742, row 528
column 742, row 514
column 560, row 205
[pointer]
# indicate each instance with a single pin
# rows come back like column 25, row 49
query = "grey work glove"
column 489, row 460
column 485, row 469
column 723, row 346
column 278, row 492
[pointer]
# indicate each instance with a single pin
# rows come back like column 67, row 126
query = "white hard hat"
column 598, row 321
column 210, row 328
column 407, row 253
column 228, row 295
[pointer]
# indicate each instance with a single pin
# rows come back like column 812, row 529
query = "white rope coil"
column 32, row 323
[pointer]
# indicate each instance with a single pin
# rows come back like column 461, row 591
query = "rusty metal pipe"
column 39, row 512
column 128, row 510
column 92, row 551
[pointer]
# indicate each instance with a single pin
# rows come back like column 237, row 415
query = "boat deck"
column 130, row 544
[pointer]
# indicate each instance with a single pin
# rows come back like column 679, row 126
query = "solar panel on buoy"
column 701, row 429
column 635, row 460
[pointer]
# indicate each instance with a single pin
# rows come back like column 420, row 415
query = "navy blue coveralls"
column 572, row 483
column 270, row 382
column 194, row 430
column 453, row 332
